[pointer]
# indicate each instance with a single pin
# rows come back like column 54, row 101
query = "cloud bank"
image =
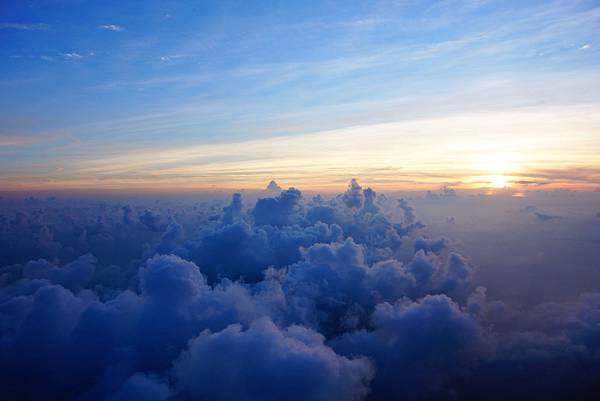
column 282, row 298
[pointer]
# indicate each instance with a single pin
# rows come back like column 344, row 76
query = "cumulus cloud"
column 409, row 215
column 273, row 187
column 152, row 220
column 446, row 192
column 242, row 251
column 265, row 362
column 170, row 280
column 370, row 205
column 419, row 347
column 169, row 241
column 280, row 210
column 73, row 276
column 354, row 195
column 430, row 244
column 449, row 192
column 334, row 289
column 340, row 298
column 233, row 212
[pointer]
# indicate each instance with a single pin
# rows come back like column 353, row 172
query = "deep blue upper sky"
column 86, row 82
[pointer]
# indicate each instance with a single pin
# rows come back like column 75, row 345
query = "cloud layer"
column 284, row 298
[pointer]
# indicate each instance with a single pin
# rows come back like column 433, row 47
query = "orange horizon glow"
column 525, row 150
column 496, row 185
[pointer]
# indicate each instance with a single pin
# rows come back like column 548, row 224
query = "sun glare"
column 498, row 181
column 496, row 169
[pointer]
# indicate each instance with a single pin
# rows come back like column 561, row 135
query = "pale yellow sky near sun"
column 482, row 149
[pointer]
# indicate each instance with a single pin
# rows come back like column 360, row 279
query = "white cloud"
column 25, row 27
column 112, row 27
column 585, row 47
column 72, row 56
column 173, row 57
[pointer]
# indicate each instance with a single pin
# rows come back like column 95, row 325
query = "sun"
column 495, row 181
column 495, row 170
column 499, row 181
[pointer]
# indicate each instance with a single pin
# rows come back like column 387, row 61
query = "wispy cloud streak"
column 25, row 27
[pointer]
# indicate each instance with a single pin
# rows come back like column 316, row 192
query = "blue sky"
column 93, row 93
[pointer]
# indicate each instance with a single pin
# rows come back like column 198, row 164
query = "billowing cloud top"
column 345, row 298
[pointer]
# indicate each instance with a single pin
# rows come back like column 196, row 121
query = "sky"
column 299, row 200
column 231, row 94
